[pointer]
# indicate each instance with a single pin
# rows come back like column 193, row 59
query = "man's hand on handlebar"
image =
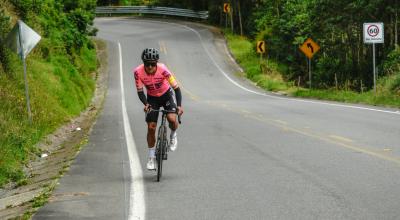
column 180, row 110
column 147, row 108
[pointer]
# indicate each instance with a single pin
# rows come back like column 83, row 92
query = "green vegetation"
column 60, row 76
column 341, row 70
column 267, row 74
column 342, row 67
column 245, row 55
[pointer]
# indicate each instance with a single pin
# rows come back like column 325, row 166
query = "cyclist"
column 159, row 83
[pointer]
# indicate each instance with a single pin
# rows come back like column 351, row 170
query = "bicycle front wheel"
column 160, row 152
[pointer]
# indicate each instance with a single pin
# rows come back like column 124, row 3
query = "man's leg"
column 151, row 134
column 173, row 125
column 151, row 140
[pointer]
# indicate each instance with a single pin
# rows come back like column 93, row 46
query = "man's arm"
column 178, row 96
column 142, row 97
column 139, row 88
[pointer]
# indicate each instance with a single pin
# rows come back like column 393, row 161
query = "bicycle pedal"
column 165, row 157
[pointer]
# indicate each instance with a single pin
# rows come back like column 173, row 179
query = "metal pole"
column 309, row 71
column 373, row 57
column 27, row 92
column 226, row 20
column 25, row 76
column 231, row 14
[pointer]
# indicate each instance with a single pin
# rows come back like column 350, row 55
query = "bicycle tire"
column 160, row 152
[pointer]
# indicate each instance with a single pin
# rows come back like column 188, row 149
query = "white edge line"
column 271, row 96
column 136, row 200
column 276, row 97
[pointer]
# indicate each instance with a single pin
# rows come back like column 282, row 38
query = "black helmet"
column 150, row 54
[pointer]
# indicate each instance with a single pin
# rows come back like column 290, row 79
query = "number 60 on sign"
column 373, row 33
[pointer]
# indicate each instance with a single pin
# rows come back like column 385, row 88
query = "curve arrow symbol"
column 226, row 7
column 311, row 47
column 260, row 46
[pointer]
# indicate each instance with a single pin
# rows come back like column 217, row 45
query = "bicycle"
column 162, row 140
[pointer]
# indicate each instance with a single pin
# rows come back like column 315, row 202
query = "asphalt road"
column 242, row 154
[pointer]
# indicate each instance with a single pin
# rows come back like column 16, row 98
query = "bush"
column 4, row 29
column 391, row 68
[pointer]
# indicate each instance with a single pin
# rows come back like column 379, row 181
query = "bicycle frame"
column 162, row 141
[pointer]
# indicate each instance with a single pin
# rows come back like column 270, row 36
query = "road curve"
column 243, row 153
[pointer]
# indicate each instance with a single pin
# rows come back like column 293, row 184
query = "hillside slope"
column 61, row 75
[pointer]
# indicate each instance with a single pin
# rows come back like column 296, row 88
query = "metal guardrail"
column 151, row 10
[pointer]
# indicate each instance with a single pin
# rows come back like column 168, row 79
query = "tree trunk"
column 391, row 30
column 231, row 14
column 277, row 8
column 240, row 18
column 221, row 17
column 359, row 46
column 396, row 34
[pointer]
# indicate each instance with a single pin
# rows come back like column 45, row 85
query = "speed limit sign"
column 373, row 33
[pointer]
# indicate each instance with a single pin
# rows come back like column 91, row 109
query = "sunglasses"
column 149, row 64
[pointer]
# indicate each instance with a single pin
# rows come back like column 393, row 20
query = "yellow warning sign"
column 260, row 46
column 309, row 48
column 227, row 7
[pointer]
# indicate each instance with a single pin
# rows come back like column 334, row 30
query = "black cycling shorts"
column 167, row 101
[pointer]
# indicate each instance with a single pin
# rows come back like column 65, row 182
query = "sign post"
column 260, row 48
column 227, row 9
column 23, row 39
column 309, row 48
column 373, row 34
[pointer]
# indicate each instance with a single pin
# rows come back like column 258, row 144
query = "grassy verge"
column 389, row 100
column 58, row 89
column 267, row 75
column 244, row 53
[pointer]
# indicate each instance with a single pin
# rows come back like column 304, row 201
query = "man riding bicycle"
column 159, row 82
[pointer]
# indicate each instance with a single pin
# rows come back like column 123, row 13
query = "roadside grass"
column 58, row 91
column 388, row 100
column 267, row 75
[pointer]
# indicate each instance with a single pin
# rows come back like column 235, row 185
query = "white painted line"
column 264, row 94
column 137, row 207
column 271, row 96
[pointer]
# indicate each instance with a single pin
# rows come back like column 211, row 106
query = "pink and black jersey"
column 156, row 84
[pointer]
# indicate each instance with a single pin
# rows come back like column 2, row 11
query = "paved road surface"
column 243, row 153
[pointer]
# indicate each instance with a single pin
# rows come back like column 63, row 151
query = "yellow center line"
column 186, row 91
column 281, row 122
column 340, row 138
column 162, row 46
column 334, row 139
column 165, row 49
column 190, row 94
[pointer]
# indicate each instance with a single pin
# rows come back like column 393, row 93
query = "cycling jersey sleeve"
column 170, row 77
column 142, row 97
column 138, row 82
column 172, row 82
column 178, row 96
